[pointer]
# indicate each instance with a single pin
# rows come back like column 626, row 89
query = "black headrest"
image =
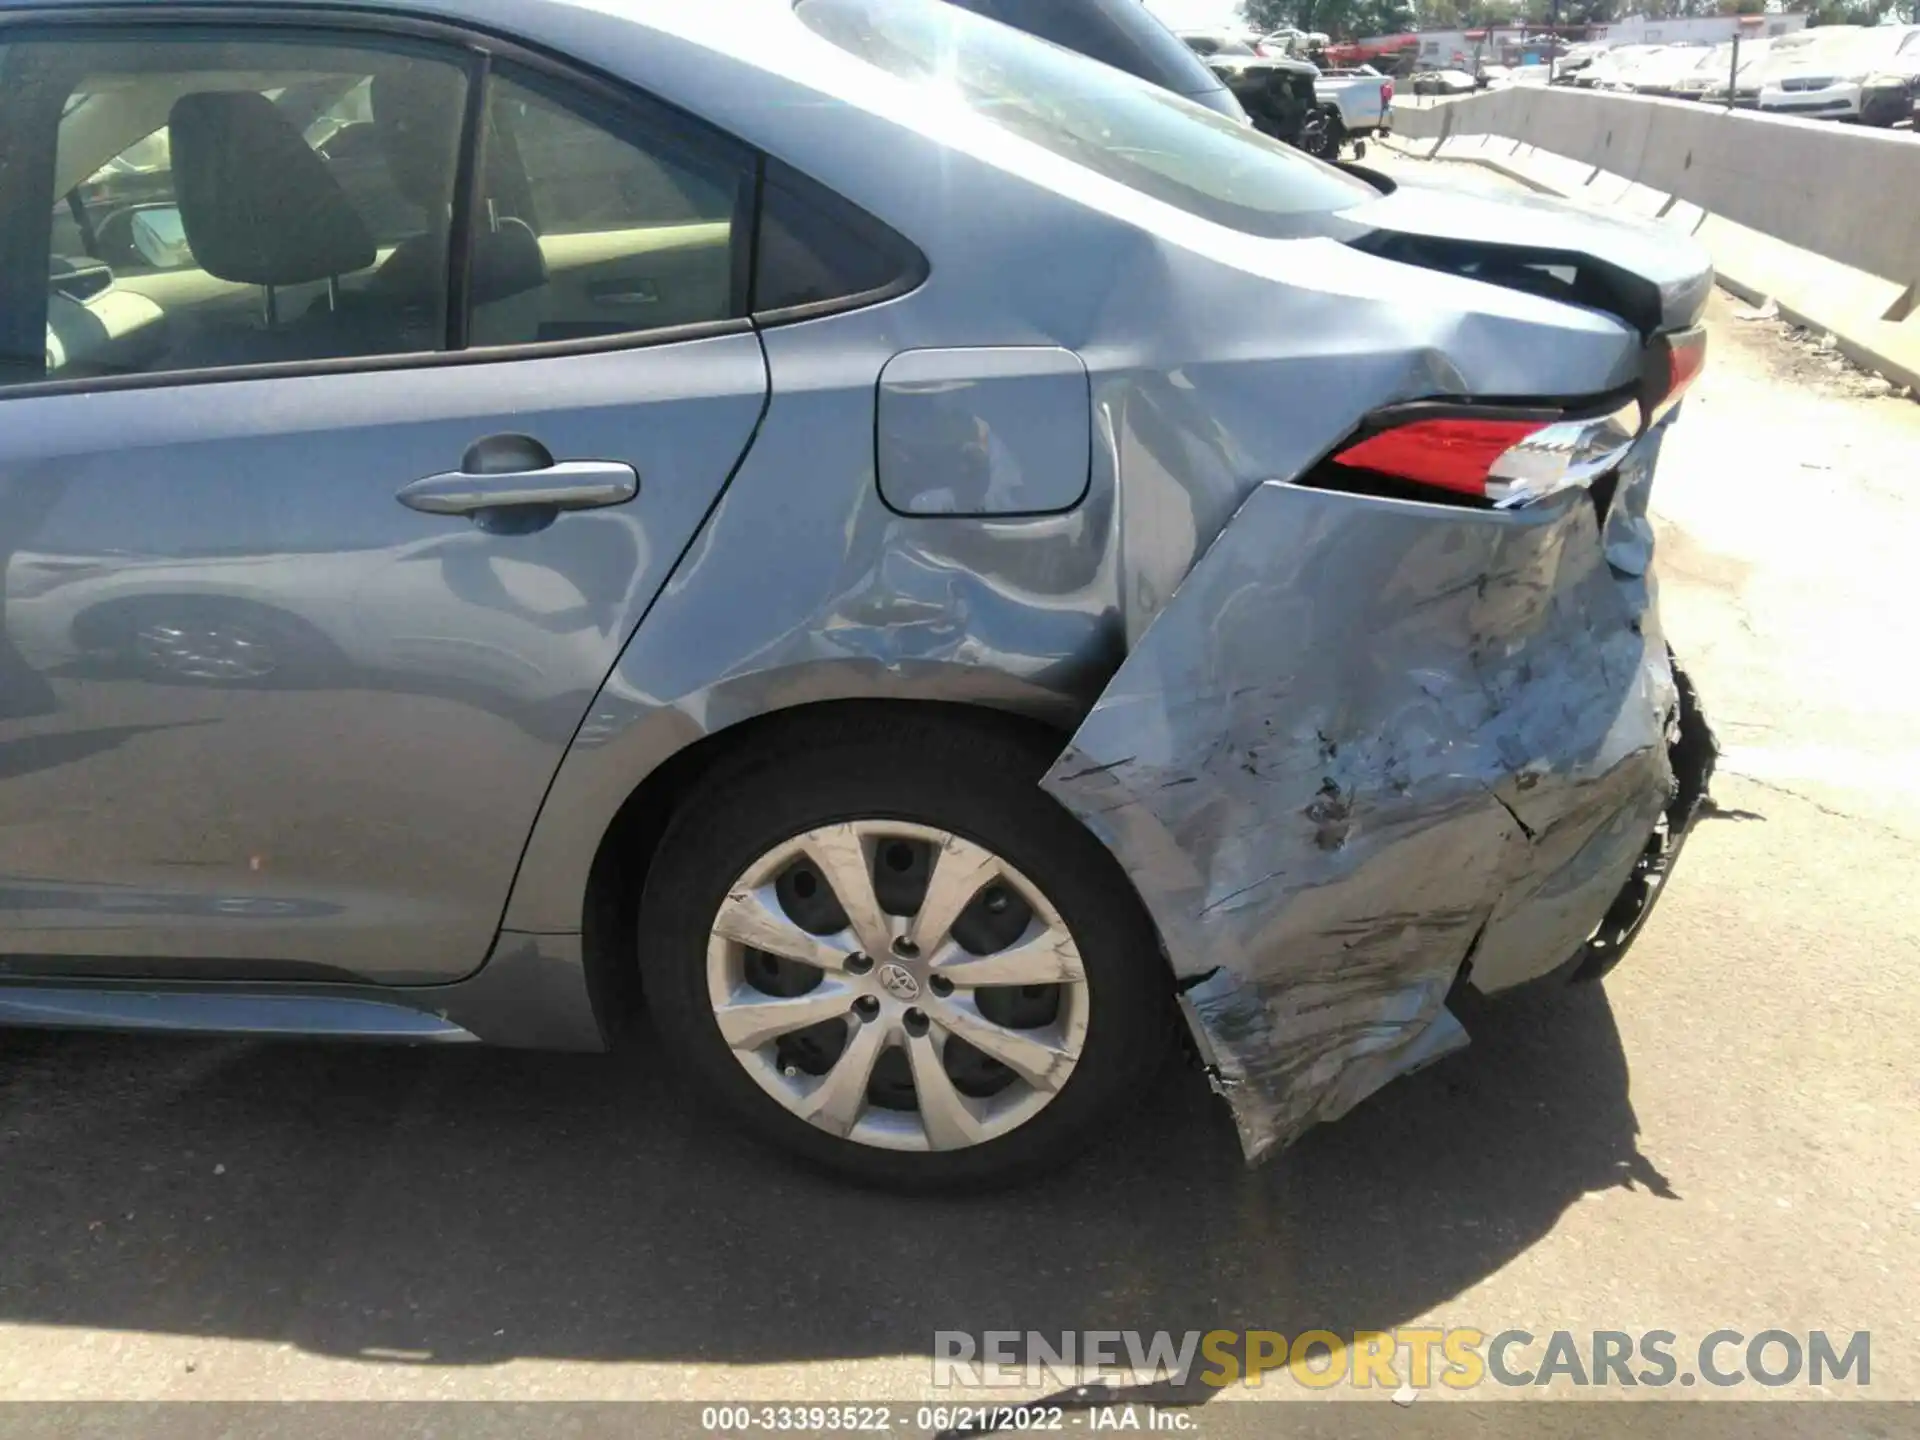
column 258, row 204
column 507, row 261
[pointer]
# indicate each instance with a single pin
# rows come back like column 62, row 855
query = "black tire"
column 972, row 774
column 1333, row 137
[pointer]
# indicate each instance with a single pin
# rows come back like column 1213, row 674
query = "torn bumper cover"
column 1370, row 741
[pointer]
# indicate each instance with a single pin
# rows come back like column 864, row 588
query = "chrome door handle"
column 568, row 485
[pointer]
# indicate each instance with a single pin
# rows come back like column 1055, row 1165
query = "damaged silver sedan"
column 904, row 555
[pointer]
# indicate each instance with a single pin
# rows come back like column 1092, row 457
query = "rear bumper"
column 1371, row 745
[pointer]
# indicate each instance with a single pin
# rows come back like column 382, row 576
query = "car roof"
column 712, row 24
column 713, row 16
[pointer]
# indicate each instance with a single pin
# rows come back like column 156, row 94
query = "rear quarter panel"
column 1217, row 360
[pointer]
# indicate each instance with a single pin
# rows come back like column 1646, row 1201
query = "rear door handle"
column 568, row 485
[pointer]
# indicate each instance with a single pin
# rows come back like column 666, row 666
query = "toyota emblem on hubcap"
column 899, row 983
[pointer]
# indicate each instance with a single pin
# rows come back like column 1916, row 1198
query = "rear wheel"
column 881, row 945
column 1322, row 134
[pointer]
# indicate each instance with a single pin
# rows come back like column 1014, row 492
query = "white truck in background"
column 1361, row 100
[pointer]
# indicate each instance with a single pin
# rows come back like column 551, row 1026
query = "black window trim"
column 469, row 166
column 367, row 364
column 482, row 49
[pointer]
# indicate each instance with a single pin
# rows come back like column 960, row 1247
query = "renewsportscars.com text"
column 1458, row 1359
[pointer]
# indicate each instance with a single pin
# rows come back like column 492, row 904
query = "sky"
column 1196, row 14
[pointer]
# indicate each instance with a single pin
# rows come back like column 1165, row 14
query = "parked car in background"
column 1891, row 88
column 1561, row 71
column 1361, row 104
column 1297, row 43
column 1713, row 70
column 916, row 637
column 1657, row 72
column 1830, row 78
column 1121, row 33
column 1443, row 82
column 1608, row 69
column 1278, row 93
column 1746, row 80
column 1784, row 53
column 1207, row 43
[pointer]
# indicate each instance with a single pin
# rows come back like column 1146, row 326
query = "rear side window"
column 601, row 220
column 816, row 251
column 1108, row 122
column 185, row 198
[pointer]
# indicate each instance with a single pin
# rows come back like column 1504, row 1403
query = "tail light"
column 1508, row 460
column 1455, row 454
column 1686, row 358
column 1513, row 456
column 1386, row 93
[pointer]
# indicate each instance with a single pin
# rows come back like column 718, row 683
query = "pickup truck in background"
column 1359, row 103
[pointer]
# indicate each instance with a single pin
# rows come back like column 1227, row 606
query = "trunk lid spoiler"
column 1654, row 279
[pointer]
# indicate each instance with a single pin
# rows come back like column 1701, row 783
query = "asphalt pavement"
column 1724, row 1135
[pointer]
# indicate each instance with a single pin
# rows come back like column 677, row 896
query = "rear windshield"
column 1110, row 123
column 1120, row 33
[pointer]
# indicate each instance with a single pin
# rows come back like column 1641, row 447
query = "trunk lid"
column 1651, row 277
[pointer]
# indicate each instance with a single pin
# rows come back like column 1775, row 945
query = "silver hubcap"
column 897, row 986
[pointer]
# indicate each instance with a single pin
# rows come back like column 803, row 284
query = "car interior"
column 214, row 214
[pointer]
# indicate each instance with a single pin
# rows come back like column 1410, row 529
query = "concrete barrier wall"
column 1842, row 191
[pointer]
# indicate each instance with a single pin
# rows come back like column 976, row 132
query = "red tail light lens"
column 1386, row 93
column 1452, row 454
column 1664, row 378
column 1510, row 460
column 1686, row 358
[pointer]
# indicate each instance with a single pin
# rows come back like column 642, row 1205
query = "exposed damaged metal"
column 1371, row 744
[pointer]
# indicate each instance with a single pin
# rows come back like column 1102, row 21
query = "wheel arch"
column 617, row 876
column 587, row 858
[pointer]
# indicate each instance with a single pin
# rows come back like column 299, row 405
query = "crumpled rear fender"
column 1367, row 741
